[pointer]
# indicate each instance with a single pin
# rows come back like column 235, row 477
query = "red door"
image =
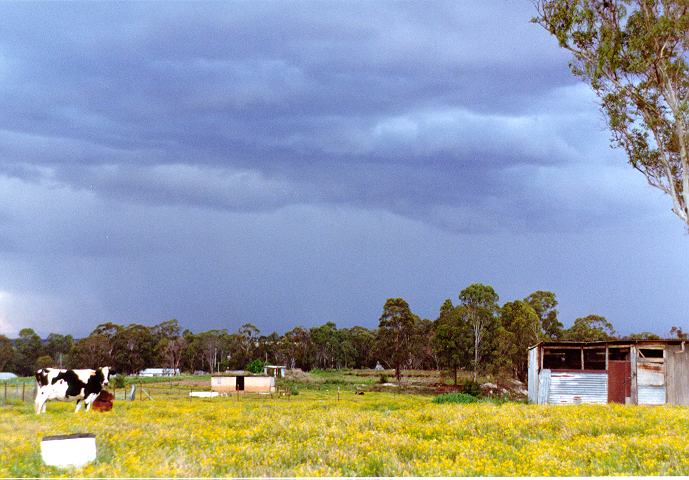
column 619, row 380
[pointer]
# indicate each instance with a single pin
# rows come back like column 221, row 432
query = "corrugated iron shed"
column 646, row 372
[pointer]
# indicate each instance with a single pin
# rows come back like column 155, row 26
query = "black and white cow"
column 67, row 385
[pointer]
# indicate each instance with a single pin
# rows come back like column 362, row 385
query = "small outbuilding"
column 638, row 372
column 159, row 372
column 7, row 376
column 277, row 371
column 242, row 383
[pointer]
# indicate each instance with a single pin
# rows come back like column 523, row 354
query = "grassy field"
column 314, row 434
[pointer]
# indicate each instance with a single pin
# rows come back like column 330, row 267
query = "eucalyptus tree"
column 6, row 352
column 634, row 54
column 544, row 303
column 452, row 339
column 480, row 304
column 395, row 331
column 591, row 328
column 518, row 331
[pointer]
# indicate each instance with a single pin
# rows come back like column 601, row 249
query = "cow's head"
column 106, row 372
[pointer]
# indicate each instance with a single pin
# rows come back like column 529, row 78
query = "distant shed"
column 242, row 383
column 159, row 372
column 640, row 372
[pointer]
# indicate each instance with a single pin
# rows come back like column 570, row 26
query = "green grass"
column 456, row 397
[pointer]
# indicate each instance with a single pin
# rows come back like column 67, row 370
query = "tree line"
column 474, row 334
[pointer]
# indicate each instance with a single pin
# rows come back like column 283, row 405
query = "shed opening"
column 618, row 353
column 594, row 359
column 562, row 359
column 649, row 353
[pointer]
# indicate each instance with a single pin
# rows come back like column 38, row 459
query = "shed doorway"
column 239, row 386
column 619, row 380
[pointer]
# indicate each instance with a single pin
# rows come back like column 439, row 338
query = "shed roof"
column 603, row 343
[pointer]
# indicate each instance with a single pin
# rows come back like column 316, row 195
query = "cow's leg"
column 78, row 406
column 88, row 401
column 39, row 403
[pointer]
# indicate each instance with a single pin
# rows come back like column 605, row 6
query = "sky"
column 293, row 163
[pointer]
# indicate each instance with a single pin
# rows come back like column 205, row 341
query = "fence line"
column 15, row 392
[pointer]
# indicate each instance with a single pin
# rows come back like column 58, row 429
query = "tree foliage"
column 480, row 304
column 6, row 352
column 590, row 329
column 544, row 303
column 453, row 338
column 633, row 53
column 395, row 330
column 518, row 331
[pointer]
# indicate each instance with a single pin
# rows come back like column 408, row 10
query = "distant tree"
column 642, row 336
column 590, row 329
column 677, row 332
column 299, row 348
column 6, row 352
column 480, row 306
column 518, row 322
column 422, row 356
column 247, row 336
column 453, row 338
column 363, row 342
column 133, row 348
column 169, row 344
column 107, row 330
column 633, row 54
column 326, row 344
column 58, row 347
column 91, row 352
column 269, row 348
column 28, row 347
column 212, row 345
column 191, row 359
column 544, row 303
column 395, row 329
column 45, row 361
column 344, row 352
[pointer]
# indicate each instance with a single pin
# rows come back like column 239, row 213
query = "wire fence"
column 12, row 393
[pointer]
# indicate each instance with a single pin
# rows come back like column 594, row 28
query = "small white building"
column 242, row 383
column 159, row 372
column 7, row 376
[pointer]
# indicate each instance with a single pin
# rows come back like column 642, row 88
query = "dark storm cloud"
column 395, row 106
column 285, row 163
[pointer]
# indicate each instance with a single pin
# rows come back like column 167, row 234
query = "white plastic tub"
column 204, row 394
column 74, row 450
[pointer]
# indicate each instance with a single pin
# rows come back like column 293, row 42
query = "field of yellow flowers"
column 381, row 434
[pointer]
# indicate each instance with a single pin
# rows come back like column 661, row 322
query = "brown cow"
column 103, row 403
